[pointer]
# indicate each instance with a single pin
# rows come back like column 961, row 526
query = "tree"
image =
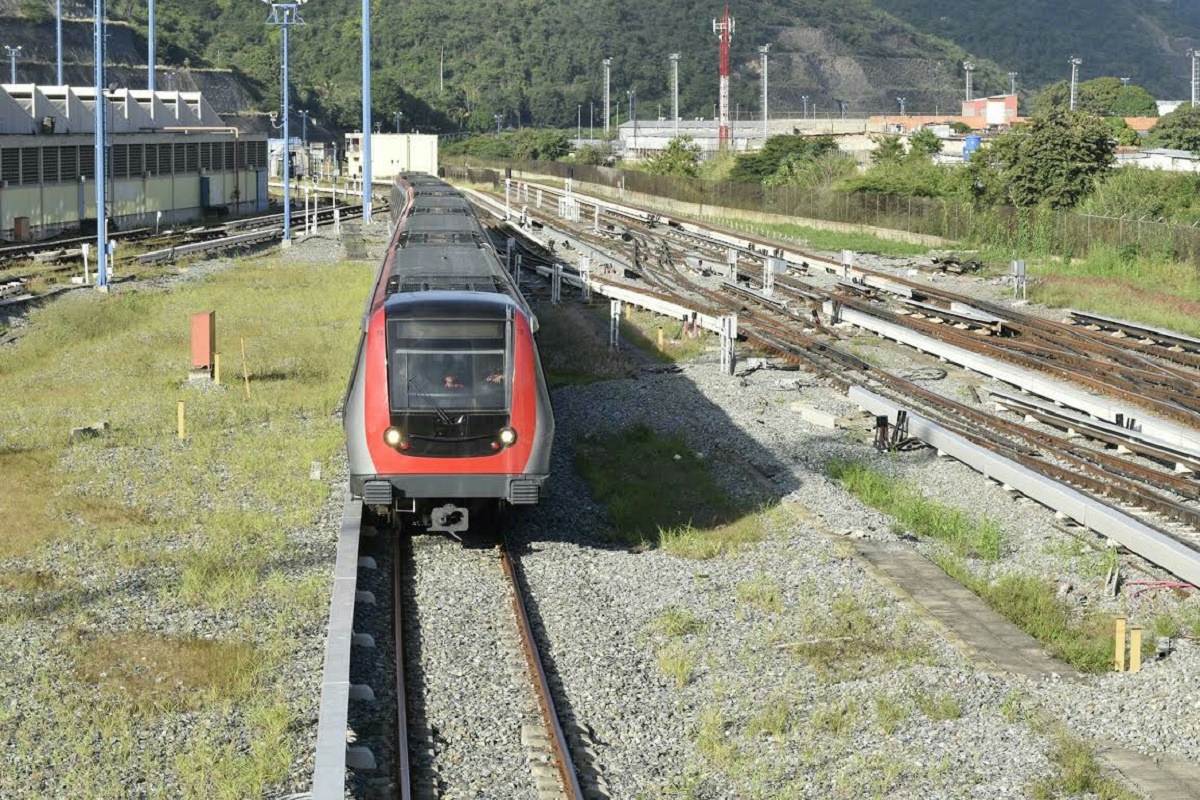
column 1056, row 159
column 1104, row 96
column 1053, row 97
column 589, row 154
column 924, row 144
column 813, row 173
column 1125, row 135
column 887, row 148
column 960, row 127
column 1179, row 130
column 530, row 144
column 754, row 167
column 1134, row 101
column 680, row 158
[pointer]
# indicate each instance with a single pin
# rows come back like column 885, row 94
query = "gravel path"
column 911, row 720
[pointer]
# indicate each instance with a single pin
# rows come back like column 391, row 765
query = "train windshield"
column 448, row 365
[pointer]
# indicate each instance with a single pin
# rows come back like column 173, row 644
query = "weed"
column 836, row 719
column 165, row 673
column 675, row 622
column 26, row 582
column 849, row 642
column 918, row 514
column 215, row 768
column 775, row 719
column 649, row 481
column 574, row 348
column 1012, row 709
column 889, row 713
column 1077, row 772
column 678, row 662
column 713, row 741
column 705, row 543
column 762, row 592
column 822, row 239
column 938, row 706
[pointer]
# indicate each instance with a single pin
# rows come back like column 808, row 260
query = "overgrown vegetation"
column 923, row 517
column 206, row 521
column 573, row 345
column 850, row 642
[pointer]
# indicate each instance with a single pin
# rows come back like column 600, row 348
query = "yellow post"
column 217, row 369
column 1135, row 648
column 628, row 311
column 660, row 337
column 245, row 369
column 1119, row 640
column 179, row 415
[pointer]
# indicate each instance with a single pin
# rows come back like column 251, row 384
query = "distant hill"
column 538, row 62
column 1144, row 40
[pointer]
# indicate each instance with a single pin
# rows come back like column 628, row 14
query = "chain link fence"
column 1032, row 231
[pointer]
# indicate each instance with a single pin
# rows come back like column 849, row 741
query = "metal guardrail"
column 329, row 769
column 1100, row 517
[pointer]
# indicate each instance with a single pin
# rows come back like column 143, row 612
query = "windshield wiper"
column 441, row 412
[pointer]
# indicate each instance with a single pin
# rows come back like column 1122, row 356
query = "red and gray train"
column 447, row 416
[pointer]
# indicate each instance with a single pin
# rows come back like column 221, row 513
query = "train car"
column 447, row 415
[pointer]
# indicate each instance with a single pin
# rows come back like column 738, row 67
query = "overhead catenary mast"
column 723, row 28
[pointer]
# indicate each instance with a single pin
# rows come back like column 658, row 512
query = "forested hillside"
column 1140, row 39
column 538, row 62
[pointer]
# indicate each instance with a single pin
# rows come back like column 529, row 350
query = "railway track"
column 1162, row 498
column 478, row 700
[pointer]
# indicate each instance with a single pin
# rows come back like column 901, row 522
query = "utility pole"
column 591, row 120
column 724, row 31
column 285, row 15
column 578, row 125
column 1194, row 55
column 900, row 100
column 1125, row 81
column 607, row 97
column 762, row 51
column 58, row 37
column 100, row 157
column 442, row 71
column 1074, row 62
column 498, row 118
column 969, row 68
column 12, row 62
column 1012, row 83
column 805, row 99
column 674, row 57
column 151, row 56
column 366, row 112
column 399, row 116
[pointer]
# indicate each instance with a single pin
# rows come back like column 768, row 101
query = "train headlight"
column 507, row 436
column 393, row 437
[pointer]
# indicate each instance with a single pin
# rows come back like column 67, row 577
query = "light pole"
column 12, row 62
column 1012, row 83
column 900, row 100
column 58, row 37
column 1074, row 62
column 591, row 120
column 607, row 98
column 674, row 58
column 805, row 99
column 368, row 171
column 968, row 68
column 498, row 118
column 629, row 97
column 1125, row 81
column 578, row 125
column 1194, row 55
column 399, row 116
column 151, row 56
column 762, row 51
column 100, row 159
column 285, row 15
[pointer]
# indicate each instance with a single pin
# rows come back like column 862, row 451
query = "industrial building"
column 171, row 159
column 393, row 153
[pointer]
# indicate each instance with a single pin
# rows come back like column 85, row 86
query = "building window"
column 30, row 164
column 50, row 164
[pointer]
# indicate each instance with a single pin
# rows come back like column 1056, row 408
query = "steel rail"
column 404, row 766
column 558, row 740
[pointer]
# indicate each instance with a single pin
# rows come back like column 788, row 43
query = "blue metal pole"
column 151, row 55
column 58, row 37
column 366, row 110
column 287, row 139
column 101, row 214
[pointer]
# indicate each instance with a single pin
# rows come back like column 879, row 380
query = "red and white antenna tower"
column 724, row 29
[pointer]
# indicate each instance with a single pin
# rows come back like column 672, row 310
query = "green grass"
column 675, row 622
column 678, row 662
column 204, row 522
column 651, row 482
column 1076, row 773
column 573, row 345
column 761, row 592
column 775, row 719
column 890, row 712
column 850, row 642
column 938, row 706
column 1152, row 290
column 925, row 518
column 822, row 239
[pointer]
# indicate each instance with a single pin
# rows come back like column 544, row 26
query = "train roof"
column 454, row 305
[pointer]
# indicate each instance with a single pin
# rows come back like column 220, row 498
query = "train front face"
column 456, row 416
